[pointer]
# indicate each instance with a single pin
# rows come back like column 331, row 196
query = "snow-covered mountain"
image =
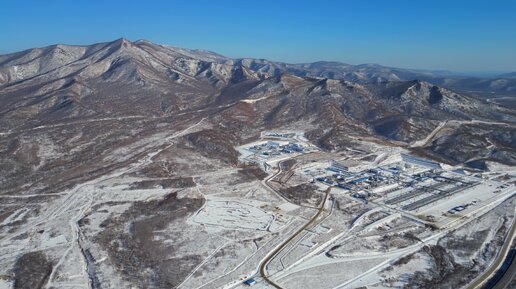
column 109, row 154
column 32, row 62
column 147, row 87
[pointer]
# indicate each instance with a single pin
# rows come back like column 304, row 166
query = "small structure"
column 337, row 167
column 292, row 148
column 250, row 282
column 343, row 186
column 272, row 144
column 287, row 151
column 358, row 181
column 360, row 195
column 325, row 180
column 459, row 208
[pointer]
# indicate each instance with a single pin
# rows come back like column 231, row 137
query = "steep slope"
column 108, row 80
column 88, row 100
column 108, row 152
column 374, row 73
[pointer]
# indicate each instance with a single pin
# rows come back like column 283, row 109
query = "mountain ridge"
column 121, row 92
column 328, row 69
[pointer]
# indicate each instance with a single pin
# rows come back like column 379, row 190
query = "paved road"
column 274, row 253
column 508, row 276
column 474, row 285
column 477, row 283
column 278, row 193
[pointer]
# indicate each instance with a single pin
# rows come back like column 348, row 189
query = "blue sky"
column 456, row 35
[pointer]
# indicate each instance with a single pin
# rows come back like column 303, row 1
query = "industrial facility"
column 418, row 187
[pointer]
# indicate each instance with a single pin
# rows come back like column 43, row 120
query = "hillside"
column 63, row 107
column 121, row 163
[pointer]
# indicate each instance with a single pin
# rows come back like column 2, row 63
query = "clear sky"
column 459, row 35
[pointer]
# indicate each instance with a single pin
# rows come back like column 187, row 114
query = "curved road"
column 474, row 285
column 497, row 263
column 508, row 277
column 274, row 253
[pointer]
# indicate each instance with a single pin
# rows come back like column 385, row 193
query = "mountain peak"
column 119, row 43
column 26, row 64
column 123, row 42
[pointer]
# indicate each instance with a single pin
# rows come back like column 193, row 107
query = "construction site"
column 369, row 215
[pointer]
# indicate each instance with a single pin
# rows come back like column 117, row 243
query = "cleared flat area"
column 232, row 214
column 313, row 220
column 428, row 206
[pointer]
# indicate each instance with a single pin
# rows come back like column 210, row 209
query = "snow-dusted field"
column 366, row 249
column 233, row 214
column 241, row 220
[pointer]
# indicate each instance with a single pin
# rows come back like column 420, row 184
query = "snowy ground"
column 241, row 220
column 364, row 250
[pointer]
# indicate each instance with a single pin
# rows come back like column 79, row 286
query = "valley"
column 137, row 165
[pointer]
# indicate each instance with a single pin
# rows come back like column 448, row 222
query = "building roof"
column 250, row 281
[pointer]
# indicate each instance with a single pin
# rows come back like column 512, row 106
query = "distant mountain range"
column 501, row 85
column 508, row 75
column 86, row 101
column 367, row 73
column 120, row 168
